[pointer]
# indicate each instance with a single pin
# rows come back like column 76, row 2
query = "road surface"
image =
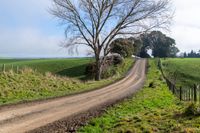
column 26, row 117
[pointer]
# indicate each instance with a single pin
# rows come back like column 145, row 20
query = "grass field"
column 152, row 109
column 187, row 70
column 30, row 85
column 74, row 68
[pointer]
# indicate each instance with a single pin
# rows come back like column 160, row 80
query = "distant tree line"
column 161, row 45
column 192, row 54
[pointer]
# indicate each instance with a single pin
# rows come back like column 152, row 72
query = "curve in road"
column 26, row 117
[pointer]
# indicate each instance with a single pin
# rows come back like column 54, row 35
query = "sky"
column 27, row 29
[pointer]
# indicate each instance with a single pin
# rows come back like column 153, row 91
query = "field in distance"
column 187, row 70
column 74, row 68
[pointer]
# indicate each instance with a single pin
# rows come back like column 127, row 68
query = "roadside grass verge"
column 152, row 109
column 187, row 70
column 28, row 85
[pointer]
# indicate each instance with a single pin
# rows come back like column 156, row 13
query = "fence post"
column 181, row 93
column 199, row 93
column 189, row 94
column 186, row 93
column 17, row 69
column 12, row 67
column 4, row 68
column 195, row 93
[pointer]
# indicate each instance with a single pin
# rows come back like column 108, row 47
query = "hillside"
column 74, row 68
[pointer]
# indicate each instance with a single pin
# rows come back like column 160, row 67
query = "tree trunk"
column 98, row 69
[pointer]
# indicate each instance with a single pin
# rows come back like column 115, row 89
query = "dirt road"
column 26, row 117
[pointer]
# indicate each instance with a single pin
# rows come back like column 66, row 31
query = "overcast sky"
column 28, row 30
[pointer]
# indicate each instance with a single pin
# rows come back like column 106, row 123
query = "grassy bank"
column 187, row 70
column 152, row 109
column 30, row 85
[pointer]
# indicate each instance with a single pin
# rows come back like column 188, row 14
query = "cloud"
column 187, row 37
column 29, row 30
column 186, row 27
column 30, row 42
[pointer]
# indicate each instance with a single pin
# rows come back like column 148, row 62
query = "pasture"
column 73, row 68
column 185, row 71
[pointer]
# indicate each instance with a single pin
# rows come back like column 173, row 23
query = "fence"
column 6, row 68
column 183, row 93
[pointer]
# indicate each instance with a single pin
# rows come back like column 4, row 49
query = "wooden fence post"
column 181, row 93
column 195, row 93
column 17, row 69
column 189, row 94
column 186, row 94
column 4, row 68
column 12, row 67
column 199, row 93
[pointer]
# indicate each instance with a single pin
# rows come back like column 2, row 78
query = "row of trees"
column 192, row 54
column 160, row 45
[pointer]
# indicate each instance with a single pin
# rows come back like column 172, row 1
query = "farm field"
column 74, row 68
column 187, row 70
column 46, row 82
column 152, row 109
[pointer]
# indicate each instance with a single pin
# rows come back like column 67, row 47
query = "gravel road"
column 27, row 117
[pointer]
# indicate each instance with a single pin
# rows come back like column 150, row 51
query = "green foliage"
column 187, row 70
column 119, row 69
column 193, row 109
column 29, row 84
column 149, row 110
column 124, row 47
column 108, row 69
column 137, row 45
column 160, row 44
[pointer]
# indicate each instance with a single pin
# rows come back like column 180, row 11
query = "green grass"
column 74, row 68
column 5, row 61
column 188, row 70
column 31, row 85
column 152, row 109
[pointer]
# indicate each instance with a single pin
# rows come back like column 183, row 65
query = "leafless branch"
column 96, row 23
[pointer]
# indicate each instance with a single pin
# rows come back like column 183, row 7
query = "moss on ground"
column 152, row 109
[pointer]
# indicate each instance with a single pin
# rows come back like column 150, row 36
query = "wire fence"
column 184, row 93
column 10, row 67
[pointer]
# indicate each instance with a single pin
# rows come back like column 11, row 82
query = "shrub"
column 124, row 47
column 90, row 70
column 108, row 68
column 193, row 109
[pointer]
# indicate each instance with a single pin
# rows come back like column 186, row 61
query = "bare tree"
column 96, row 23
